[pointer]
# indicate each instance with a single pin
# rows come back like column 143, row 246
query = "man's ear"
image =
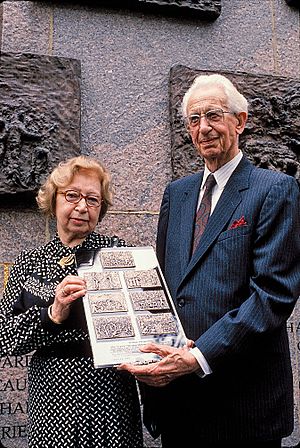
column 241, row 118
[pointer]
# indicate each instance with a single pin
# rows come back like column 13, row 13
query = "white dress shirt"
column 222, row 176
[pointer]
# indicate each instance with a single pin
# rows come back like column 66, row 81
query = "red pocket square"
column 238, row 223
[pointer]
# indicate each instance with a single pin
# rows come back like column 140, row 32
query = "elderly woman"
column 71, row 404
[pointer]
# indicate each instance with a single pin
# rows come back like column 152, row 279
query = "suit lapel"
column 228, row 202
column 188, row 208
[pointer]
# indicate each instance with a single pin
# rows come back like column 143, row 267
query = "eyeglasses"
column 74, row 197
column 212, row 117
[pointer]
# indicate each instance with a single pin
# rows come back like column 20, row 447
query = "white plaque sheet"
column 127, row 305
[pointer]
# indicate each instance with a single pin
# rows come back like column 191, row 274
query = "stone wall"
column 125, row 57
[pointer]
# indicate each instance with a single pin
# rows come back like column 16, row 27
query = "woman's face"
column 76, row 220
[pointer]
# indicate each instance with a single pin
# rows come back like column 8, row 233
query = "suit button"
column 181, row 303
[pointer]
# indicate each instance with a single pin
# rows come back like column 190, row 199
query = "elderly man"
column 228, row 244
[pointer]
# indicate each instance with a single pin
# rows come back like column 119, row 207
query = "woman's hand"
column 69, row 290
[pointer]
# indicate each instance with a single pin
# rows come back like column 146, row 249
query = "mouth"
column 208, row 141
column 78, row 220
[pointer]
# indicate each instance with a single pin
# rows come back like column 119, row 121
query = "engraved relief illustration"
column 126, row 306
column 157, row 324
column 97, row 281
column 142, row 279
column 107, row 303
column 117, row 259
column 113, row 327
column 39, row 120
column 149, row 300
column 271, row 137
column 202, row 9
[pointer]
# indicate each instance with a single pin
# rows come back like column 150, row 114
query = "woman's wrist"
column 51, row 317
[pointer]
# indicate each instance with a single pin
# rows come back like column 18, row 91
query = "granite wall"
column 125, row 57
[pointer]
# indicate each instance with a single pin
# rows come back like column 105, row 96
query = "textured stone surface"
column 293, row 326
column 271, row 137
column 1, row 21
column 135, row 229
column 28, row 25
column 138, row 172
column 201, row 9
column 20, row 230
column 283, row 47
column 39, row 118
column 125, row 58
column 13, row 400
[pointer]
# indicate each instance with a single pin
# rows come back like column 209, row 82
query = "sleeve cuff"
column 48, row 324
column 204, row 368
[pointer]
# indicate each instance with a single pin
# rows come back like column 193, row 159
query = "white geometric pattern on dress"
column 71, row 404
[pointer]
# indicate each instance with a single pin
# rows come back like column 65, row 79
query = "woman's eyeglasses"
column 74, row 197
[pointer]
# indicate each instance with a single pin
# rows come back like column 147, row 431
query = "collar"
column 223, row 174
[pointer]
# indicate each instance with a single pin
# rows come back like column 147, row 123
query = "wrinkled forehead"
column 205, row 98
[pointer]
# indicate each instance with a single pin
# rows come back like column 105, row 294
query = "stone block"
column 13, row 401
column 39, row 119
column 139, row 175
column 293, row 326
column 138, row 229
column 20, row 229
column 201, row 9
column 27, row 26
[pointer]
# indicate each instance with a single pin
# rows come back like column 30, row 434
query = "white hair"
column 236, row 102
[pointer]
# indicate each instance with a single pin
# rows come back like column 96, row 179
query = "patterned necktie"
column 203, row 212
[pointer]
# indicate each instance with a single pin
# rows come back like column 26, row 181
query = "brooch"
column 67, row 261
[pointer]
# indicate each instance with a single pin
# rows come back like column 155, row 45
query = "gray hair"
column 235, row 100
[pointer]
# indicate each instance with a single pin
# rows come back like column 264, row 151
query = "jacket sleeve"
column 274, row 279
column 162, row 228
column 27, row 331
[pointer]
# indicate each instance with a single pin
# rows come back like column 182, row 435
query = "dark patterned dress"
column 71, row 404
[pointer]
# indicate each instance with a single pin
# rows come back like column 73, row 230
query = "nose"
column 81, row 205
column 204, row 125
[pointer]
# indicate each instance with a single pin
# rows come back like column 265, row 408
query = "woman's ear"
column 241, row 118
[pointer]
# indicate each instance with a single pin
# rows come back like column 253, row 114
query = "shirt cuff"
column 48, row 324
column 204, row 366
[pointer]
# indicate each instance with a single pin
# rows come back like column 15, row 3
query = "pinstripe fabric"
column 221, row 175
column 233, row 297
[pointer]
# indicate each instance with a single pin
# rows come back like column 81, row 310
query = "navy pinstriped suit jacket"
column 233, row 297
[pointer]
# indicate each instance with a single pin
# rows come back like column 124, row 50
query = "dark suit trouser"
column 175, row 440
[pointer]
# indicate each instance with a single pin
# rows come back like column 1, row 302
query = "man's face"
column 216, row 135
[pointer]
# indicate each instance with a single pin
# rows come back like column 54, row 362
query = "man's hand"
column 175, row 362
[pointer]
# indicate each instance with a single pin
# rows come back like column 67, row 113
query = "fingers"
column 158, row 381
column 139, row 370
column 71, row 288
column 190, row 343
column 175, row 362
column 145, row 375
column 159, row 349
column 63, row 291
